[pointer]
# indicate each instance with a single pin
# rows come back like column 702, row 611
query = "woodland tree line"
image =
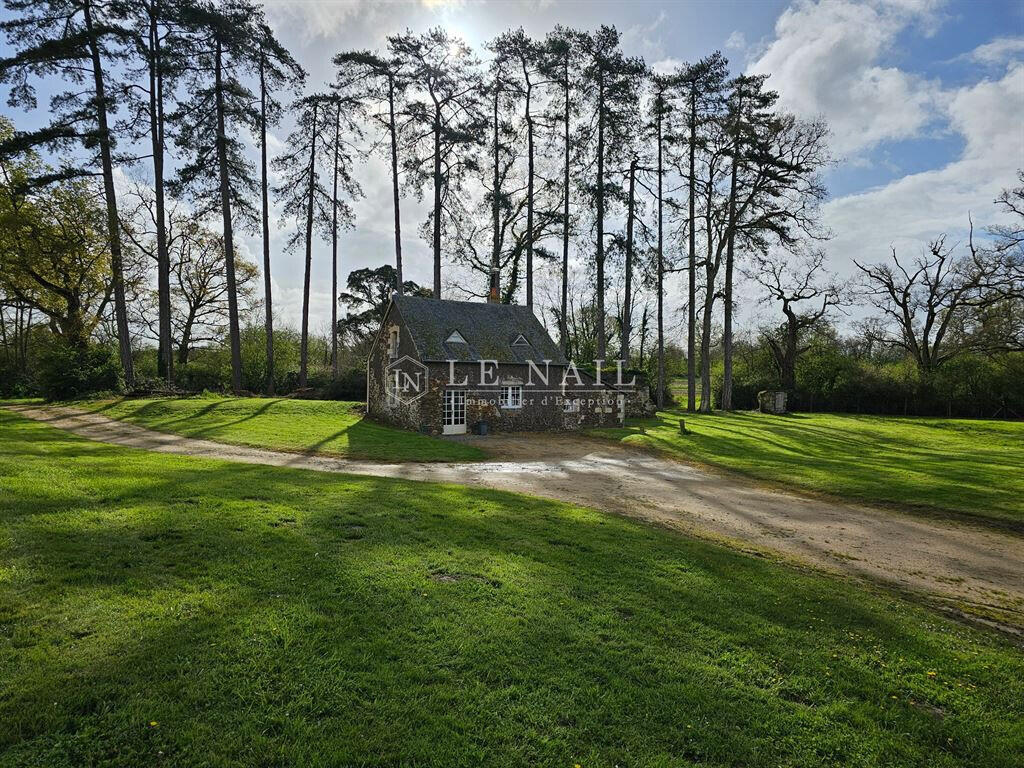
column 558, row 172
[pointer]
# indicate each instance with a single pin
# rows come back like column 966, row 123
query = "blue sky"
column 925, row 99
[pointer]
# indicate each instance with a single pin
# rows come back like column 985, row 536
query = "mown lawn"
column 321, row 426
column 168, row 610
column 957, row 465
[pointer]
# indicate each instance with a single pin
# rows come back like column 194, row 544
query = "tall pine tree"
column 561, row 55
column 78, row 41
column 380, row 80
column 447, row 123
column 158, row 62
column 702, row 85
column 748, row 104
column 277, row 72
column 520, row 60
column 222, row 48
column 614, row 82
column 661, row 130
column 312, row 205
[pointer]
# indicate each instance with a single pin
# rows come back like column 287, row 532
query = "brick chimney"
column 494, row 294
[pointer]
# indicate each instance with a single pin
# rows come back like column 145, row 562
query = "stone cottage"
column 448, row 367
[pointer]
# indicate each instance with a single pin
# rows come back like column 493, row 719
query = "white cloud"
column 829, row 58
column 915, row 208
column 315, row 18
column 645, row 39
column 327, row 19
column 826, row 59
column 666, row 66
column 998, row 51
column 737, row 41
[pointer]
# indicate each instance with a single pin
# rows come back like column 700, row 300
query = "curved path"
column 959, row 565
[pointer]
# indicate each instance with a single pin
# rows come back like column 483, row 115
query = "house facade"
column 448, row 367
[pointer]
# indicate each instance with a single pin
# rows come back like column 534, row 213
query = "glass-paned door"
column 455, row 412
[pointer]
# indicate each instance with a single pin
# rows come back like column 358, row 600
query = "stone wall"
column 772, row 401
column 543, row 403
column 639, row 404
column 379, row 404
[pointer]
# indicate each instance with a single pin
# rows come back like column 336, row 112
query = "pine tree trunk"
column 643, row 338
column 727, row 301
column 494, row 279
column 229, row 241
column 627, row 301
column 661, row 274
column 113, row 225
column 710, row 273
column 4, row 341
column 334, row 251
column 437, row 203
column 705, row 354
column 304, row 341
column 691, row 325
column 268, row 298
column 393, row 128
column 602, row 341
column 529, row 191
column 729, row 260
column 563, row 320
column 156, row 128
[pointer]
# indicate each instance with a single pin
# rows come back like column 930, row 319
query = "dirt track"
column 955, row 564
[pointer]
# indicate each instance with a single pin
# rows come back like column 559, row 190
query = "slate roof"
column 489, row 330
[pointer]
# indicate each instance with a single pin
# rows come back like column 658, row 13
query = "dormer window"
column 520, row 341
column 455, row 338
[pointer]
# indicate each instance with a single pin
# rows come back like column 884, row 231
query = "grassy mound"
column 317, row 426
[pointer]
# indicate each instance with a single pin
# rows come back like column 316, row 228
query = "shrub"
column 67, row 372
column 350, row 385
column 15, row 381
column 204, row 373
column 254, row 359
column 145, row 361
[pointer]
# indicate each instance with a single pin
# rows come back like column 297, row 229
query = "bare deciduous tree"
column 794, row 281
column 929, row 304
column 199, row 306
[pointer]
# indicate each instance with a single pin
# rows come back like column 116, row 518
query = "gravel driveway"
column 955, row 564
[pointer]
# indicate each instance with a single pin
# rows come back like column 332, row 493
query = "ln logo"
column 406, row 380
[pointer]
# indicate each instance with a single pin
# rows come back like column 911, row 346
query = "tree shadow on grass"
column 880, row 468
column 263, row 614
column 190, row 420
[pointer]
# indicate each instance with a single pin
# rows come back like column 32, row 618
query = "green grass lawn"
column 956, row 465
column 169, row 610
column 321, row 426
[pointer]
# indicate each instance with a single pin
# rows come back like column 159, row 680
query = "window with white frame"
column 511, row 396
column 393, row 344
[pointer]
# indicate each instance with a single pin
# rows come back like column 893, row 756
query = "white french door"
column 455, row 412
